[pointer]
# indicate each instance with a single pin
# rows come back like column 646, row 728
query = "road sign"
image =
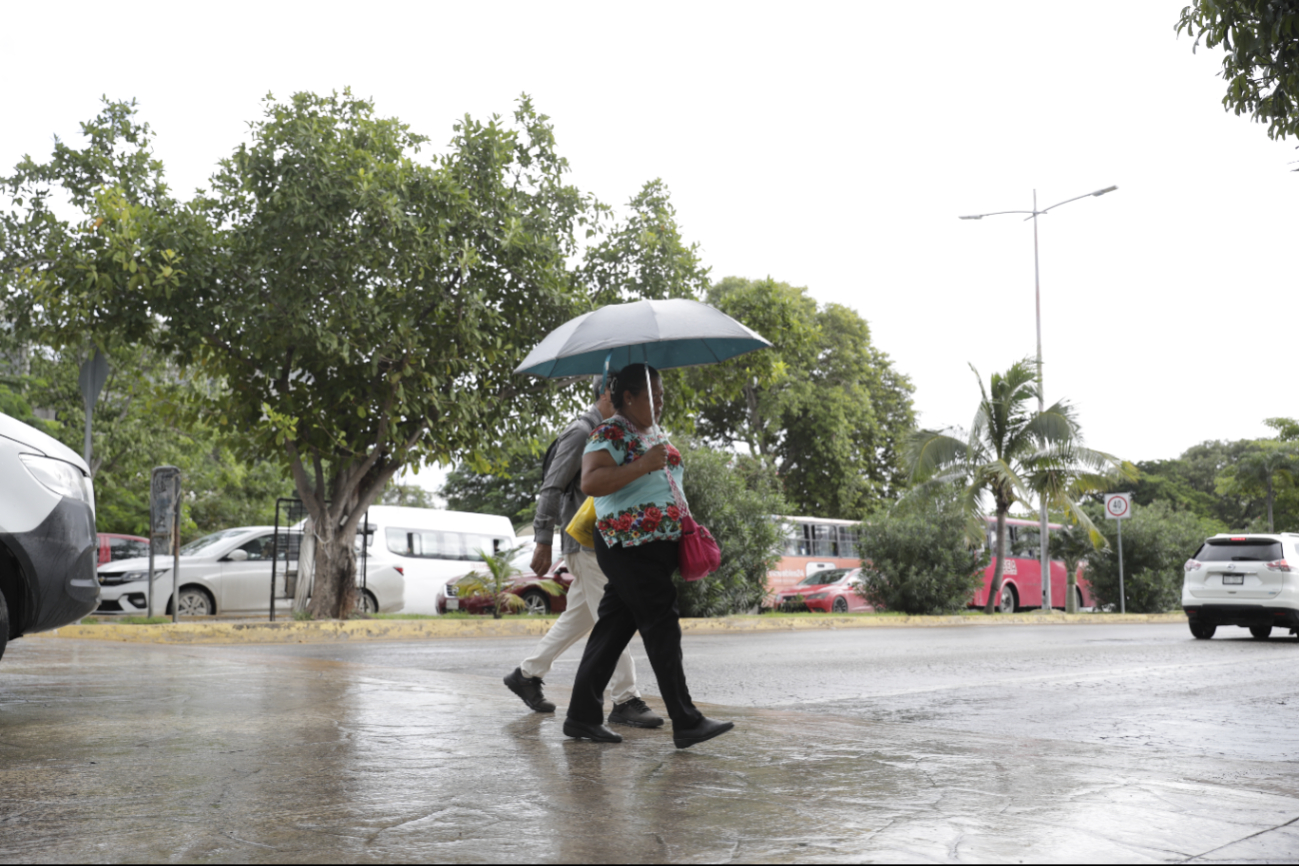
column 1118, row 506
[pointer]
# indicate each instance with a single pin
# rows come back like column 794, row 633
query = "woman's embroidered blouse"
column 645, row 509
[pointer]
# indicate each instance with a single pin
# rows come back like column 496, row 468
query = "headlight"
column 817, row 596
column 63, row 478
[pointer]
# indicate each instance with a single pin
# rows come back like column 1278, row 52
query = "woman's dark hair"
column 630, row 378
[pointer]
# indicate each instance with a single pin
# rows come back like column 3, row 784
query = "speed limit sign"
column 1118, row 505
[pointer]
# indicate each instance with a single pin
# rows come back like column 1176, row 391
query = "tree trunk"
column 994, row 592
column 333, row 594
column 1071, row 587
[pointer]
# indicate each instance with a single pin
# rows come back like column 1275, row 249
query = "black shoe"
column 583, row 731
column 705, row 730
column 529, row 688
column 636, row 714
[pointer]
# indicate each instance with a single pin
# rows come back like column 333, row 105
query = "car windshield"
column 194, row 548
column 1245, row 550
column 830, row 575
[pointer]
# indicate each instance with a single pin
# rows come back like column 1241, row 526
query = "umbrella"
column 663, row 334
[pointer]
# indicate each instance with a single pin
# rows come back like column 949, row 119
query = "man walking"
column 561, row 496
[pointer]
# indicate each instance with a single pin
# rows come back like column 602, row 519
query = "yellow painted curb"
column 434, row 629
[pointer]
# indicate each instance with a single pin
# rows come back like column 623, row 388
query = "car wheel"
column 1202, row 631
column 194, row 602
column 535, row 603
column 1007, row 598
column 1260, row 632
column 365, row 602
column 4, row 624
column 840, row 605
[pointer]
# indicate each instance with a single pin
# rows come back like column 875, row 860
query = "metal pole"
column 1123, row 595
column 148, row 593
column 1043, row 532
column 175, row 565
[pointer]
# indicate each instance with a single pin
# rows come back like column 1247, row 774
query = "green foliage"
column 495, row 584
column 735, row 497
column 824, row 406
column 508, row 487
column 1259, row 472
column 918, row 563
column 408, row 495
column 1261, row 64
column 1157, row 541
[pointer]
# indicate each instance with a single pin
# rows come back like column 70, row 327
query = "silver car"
column 229, row 573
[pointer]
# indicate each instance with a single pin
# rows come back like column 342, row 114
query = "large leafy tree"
column 358, row 308
column 1011, row 454
column 1258, row 472
column 825, row 407
column 1261, row 63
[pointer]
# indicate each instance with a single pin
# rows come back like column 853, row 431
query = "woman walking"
column 638, row 531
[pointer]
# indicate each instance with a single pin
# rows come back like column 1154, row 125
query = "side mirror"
column 239, row 555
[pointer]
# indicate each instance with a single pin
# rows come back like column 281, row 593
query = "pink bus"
column 1021, row 580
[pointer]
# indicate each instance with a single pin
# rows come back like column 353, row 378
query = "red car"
column 113, row 547
column 830, row 591
column 535, row 599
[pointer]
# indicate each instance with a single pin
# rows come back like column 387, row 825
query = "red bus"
column 1021, row 579
column 815, row 544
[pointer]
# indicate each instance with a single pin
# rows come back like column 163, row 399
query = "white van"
column 432, row 546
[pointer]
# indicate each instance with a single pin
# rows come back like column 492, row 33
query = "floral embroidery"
column 657, row 516
column 640, row 523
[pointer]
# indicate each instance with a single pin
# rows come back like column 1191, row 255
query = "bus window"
column 822, row 539
column 847, row 541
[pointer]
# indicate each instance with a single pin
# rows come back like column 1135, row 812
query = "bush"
column 918, row 563
column 1157, row 541
column 735, row 497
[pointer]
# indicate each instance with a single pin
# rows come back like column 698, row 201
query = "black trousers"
column 639, row 597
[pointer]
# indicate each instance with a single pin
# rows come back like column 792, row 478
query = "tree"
column 1257, row 471
column 1010, row 453
column 1072, row 546
column 508, row 487
column 358, row 309
column 1157, row 541
column 824, row 407
column 735, row 497
column 1261, row 65
column 919, row 563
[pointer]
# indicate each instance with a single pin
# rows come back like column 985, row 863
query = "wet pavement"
column 862, row 746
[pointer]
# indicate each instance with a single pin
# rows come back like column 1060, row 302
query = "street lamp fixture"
column 1043, row 533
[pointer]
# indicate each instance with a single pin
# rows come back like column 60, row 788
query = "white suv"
column 1243, row 580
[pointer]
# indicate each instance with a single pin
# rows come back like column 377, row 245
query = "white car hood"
column 42, row 443
column 161, row 562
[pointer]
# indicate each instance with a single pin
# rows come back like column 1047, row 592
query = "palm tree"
column 1257, row 470
column 1072, row 546
column 1012, row 453
column 494, row 586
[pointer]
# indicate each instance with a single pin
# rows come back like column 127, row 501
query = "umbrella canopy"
column 663, row 334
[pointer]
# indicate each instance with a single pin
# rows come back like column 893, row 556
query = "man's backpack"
column 545, row 467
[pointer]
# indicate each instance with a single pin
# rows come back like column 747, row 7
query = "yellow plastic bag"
column 582, row 526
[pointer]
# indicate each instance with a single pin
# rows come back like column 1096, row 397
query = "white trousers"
column 576, row 623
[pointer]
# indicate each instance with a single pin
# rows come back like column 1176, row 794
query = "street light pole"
column 1044, row 560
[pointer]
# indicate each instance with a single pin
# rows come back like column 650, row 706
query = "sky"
column 827, row 145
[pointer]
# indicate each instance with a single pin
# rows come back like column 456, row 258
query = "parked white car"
column 48, row 545
column 229, row 573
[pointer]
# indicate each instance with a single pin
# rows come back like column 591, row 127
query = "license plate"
column 1233, row 580
column 453, row 604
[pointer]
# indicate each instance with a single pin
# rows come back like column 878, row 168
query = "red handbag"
column 698, row 554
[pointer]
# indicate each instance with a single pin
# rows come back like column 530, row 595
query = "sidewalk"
column 261, row 631
column 126, row 752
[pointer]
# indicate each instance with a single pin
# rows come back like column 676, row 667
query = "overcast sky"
column 829, row 145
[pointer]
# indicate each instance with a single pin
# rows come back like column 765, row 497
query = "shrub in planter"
column 917, row 562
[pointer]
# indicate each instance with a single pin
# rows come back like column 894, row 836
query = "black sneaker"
column 529, row 689
column 635, row 713
column 583, row 731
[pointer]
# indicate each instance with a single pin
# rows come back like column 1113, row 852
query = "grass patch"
column 779, row 614
column 457, row 614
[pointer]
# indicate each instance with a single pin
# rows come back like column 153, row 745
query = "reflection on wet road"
column 1092, row 743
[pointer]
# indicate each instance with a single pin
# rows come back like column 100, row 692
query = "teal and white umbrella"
column 663, row 334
